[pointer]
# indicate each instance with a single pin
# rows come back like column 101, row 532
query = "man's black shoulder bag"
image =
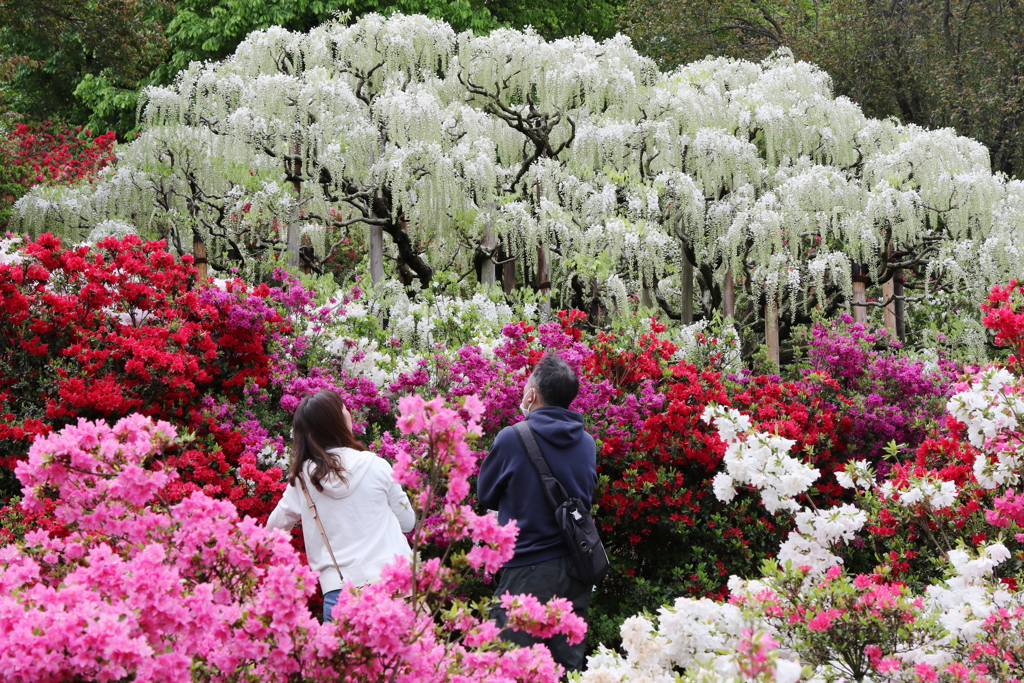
column 589, row 560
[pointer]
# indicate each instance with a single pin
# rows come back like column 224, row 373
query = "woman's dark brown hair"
column 319, row 425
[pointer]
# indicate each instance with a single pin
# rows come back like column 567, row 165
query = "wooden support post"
column 508, row 271
column 771, row 329
column 544, row 282
column 376, row 254
column 292, row 234
column 860, row 289
column 889, row 313
column 728, row 296
column 488, row 276
column 646, row 294
column 899, row 308
column 686, row 287
column 199, row 259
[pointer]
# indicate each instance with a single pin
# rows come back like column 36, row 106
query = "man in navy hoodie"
column 509, row 484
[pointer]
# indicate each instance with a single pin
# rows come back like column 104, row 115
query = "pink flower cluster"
column 141, row 590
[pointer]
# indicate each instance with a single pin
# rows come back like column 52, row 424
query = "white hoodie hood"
column 365, row 519
column 355, row 463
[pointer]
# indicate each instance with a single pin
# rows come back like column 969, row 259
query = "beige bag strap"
column 316, row 518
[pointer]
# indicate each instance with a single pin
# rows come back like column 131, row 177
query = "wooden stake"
column 860, row 295
column 508, row 271
column 488, row 275
column 686, row 310
column 771, row 329
column 199, row 255
column 544, row 282
column 376, row 253
column 646, row 296
column 899, row 308
column 292, row 234
column 889, row 313
column 728, row 296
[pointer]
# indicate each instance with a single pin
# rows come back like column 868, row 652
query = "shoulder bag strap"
column 316, row 518
column 552, row 487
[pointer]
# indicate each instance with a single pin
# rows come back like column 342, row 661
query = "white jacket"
column 364, row 519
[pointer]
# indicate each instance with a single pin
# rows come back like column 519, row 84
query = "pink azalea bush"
column 138, row 589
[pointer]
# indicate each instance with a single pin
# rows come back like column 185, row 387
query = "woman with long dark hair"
column 361, row 513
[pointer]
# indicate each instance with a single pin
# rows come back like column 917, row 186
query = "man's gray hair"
column 555, row 381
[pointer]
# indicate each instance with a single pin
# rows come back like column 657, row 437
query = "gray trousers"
column 545, row 580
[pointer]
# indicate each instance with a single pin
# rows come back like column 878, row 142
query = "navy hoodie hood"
column 509, row 483
column 559, row 427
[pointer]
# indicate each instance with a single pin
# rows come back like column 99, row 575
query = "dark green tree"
column 84, row 61
column 51, row 47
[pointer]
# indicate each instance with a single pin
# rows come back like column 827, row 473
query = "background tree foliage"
column 931, row 62
column 85, row 61
column 50, row 48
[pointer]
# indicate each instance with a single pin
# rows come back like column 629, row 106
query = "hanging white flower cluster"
column 990, row 409
column 454, row 139
column 759, row 460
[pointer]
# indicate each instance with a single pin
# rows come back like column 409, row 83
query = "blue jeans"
column 330, row 600
column 545, row 580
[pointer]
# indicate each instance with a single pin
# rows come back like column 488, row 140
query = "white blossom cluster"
column 816, row 531
column 966, row 598
column 933, row 493
column 696, row 636
column 857, row 474
column 9, row 254
column 990, row 408
column 759, row 460
column 417, row 323
column 690, row 347
column 699, row 637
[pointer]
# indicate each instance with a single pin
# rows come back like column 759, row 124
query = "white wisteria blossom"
column 466, row 149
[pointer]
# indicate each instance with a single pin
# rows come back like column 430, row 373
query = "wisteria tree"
column 575, row 161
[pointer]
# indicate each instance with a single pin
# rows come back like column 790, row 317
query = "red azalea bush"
column 100, row 332
column 1004, row 315
column 32, row 155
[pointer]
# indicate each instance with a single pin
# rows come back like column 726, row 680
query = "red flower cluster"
column 33, row 155
column 656, row 506
column 1004, row 314
column 60, row 155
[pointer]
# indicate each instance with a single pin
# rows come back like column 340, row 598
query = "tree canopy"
column 460, row 147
